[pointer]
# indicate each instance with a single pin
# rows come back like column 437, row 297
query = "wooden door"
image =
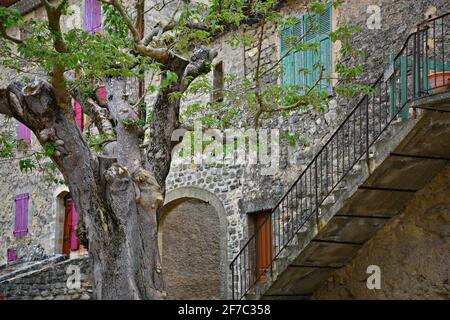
column 67, row 228
column 261, row 252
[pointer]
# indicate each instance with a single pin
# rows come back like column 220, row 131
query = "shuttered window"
column 303, row 68
column 78, row 114
column 92, row 16
column 11, row 255
column 24, row 133
column 21, row 215
column 92, row 24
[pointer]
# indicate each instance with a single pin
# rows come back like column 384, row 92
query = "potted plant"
column 439, row 81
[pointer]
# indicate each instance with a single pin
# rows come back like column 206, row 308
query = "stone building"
column 212, row 211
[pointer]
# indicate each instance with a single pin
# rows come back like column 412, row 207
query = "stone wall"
column 412, row 251
column 242, row 188
column 44, row 216
column 54, row 282
column 190, row 255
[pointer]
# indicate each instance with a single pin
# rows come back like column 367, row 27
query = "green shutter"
column 325, row 61
column 318, row 31
column 287, row 76
column 298, row 57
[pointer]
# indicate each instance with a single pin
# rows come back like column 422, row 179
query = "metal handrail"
column 408, row 81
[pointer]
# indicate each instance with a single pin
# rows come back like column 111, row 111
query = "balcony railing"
column 421, row 68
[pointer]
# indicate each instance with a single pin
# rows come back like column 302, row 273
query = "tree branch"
column 100, row 116
column 159, row 54
column 198, row 64
column 126, row 18
column 54, row 13
column 257, row 76
column 170, row 26
column 140, row 4
column 305, row 101
column 4, row 102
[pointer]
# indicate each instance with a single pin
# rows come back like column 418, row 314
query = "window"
column 217, row 95
column 303, row 68
column 92, row 24
column 21, row 215
column 24, row 133
column 92, row 16
column 78, row 114
column 11, row 255
column 261, row 245
column 70, row 241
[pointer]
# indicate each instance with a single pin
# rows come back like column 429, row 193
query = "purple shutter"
column 23, row 133
column 102, row 94
column 92, row 16
column 78, row 114
column 12, row 255
column 73, row 234
column 21, row 219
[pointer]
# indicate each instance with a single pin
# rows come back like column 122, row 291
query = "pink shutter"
column 23, row 133
column 102, row 95
column 21, row 218
column 73, row 235
column 92, row 16
column 78, row 114
column 12, row 255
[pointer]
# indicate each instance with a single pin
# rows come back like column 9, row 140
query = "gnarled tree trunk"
column 116, row 197
column 118, row 193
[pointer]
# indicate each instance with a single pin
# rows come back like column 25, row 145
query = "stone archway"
column 59, row 214
column 192, row 235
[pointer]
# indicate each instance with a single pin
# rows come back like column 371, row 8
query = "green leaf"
column 26, row 165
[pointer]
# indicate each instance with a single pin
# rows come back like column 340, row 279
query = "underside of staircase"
column 390, row 145
column 405, row 158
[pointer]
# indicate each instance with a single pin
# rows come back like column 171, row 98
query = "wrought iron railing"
column 421, row 68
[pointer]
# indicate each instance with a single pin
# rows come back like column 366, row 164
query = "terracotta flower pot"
column 439, row 81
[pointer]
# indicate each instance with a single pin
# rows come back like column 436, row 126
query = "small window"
column 78, row 114
column 92, row 16
column 303, row 68
column 218, row 82
column 24, row 133
column 261, row 246
column 11, row 255
column 21, row 215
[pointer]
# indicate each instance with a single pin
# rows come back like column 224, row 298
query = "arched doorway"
column 66, row 216
column 193, row 246
column 70, row 242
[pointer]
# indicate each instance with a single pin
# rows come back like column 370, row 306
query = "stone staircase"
column 395, row 140
column 370, row 195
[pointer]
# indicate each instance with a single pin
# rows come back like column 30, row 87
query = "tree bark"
column 119, row 193
column 118, row 205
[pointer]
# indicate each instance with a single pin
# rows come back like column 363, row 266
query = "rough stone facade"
column 46, row 213
column 189, row 254
column 59, row 280
column 412, row 252
column 241, row 189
